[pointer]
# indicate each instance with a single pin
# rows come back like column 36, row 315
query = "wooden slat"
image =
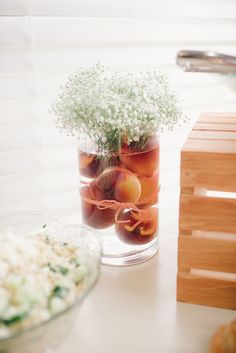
column 208, row 213
column 207, row 253
column 213, row 135
column 214, row 127
column 215, row 171
column 183, row 265
column 213, row 116
column 206, row 291
column 185, row 231
column 218, row 118
column 214, row 146
column 187, row 190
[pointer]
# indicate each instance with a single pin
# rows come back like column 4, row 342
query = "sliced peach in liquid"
column 91, row 166
column 93, row 216
column 142, row 162
column 116, row 183
column 137, row 231
column 88, row 164
column 149, row 190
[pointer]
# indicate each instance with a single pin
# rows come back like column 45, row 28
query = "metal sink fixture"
column 206, row 61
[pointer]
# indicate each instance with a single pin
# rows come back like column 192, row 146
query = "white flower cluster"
column 113, row 107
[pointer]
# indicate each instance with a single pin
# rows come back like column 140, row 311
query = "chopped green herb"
column 75, row 261
column 63, row 270
column 44, row 226
column 58, row 268
column 51, row 267
column 60, row 292
column 14, row 319
column 65, row 244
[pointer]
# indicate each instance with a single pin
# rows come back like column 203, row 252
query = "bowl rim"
column 83, row 295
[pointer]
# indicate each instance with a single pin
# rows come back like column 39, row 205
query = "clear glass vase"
column 119, row 197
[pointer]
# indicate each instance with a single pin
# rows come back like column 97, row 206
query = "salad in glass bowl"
column 46, row 271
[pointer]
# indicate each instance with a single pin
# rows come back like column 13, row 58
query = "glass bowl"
column 46, row 336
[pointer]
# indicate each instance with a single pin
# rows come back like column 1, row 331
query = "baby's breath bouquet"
column 115, row 108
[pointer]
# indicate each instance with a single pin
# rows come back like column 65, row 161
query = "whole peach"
column 93, row 216
column 116, row 183
column 143, row 162
column 91, row 166
column 149, row 189
column 133, row 232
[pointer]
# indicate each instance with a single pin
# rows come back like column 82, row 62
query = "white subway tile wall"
column 42, row 42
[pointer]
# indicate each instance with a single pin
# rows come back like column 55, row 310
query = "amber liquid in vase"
column 119, row 195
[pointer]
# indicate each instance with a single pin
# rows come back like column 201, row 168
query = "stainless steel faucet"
column 206, row 61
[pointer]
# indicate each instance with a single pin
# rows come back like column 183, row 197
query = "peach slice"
column 88, row 164
column 116, row 183
column 149, row 190
column 142, row 162
column 93, row 216
column 91, row 166
column 137, row 231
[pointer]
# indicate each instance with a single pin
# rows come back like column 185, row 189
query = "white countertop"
column 134, row 310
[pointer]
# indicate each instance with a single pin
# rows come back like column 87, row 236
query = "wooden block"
column 214, row 127
column 206, row 291
column 215, row 171
column 207, row 225
column 207, row 253
column 213, row 214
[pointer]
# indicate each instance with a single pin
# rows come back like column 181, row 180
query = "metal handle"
column 206, row 61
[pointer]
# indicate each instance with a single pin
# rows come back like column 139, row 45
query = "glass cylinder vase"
column 119, row 197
